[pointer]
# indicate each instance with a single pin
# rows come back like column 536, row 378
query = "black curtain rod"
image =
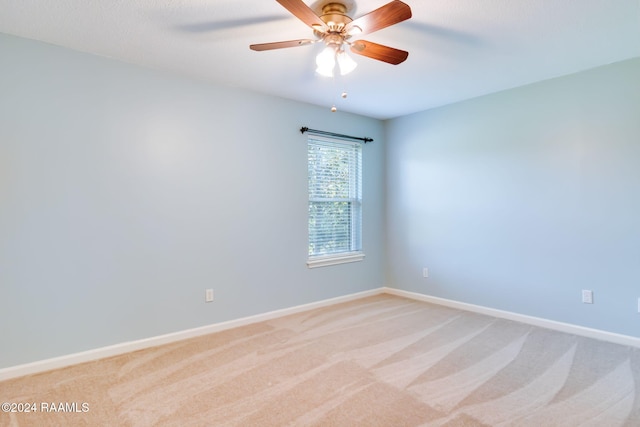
column 335, row 135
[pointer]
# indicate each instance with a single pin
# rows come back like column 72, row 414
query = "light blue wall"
column 521, row 199
column 126, row 192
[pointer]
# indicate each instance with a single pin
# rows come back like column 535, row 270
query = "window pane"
column 329, row 227
column 329, row 172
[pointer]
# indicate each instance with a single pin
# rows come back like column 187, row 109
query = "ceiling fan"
column 335, row 28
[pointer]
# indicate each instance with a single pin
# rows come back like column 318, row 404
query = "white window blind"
column 335, row 197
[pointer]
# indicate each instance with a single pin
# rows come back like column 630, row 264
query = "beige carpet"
column 379, row 361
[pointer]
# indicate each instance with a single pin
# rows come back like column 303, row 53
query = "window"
column 335, row 201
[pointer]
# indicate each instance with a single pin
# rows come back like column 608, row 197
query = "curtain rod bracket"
column 335, row 135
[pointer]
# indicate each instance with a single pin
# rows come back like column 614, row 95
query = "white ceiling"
column 458, row 49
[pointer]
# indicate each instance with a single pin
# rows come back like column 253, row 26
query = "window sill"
column 324, row 261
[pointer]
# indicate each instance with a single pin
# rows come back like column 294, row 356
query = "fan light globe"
column 345, row 63
column 326, row 61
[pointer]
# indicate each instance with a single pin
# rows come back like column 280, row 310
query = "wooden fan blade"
column 281, row 45
column 385, row 16
column 304, row 13
column 379, row 52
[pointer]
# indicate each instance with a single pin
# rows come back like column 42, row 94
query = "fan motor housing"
column 334, row 15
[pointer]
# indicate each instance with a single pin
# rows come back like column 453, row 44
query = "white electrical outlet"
column 425, row 272
column 587, row 296
column 208, row 295
column 638, row 305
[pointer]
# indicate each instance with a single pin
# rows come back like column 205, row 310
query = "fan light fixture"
column 330, row 55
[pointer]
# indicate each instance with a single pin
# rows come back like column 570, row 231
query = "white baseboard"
column 530, row 320
column 126, row 347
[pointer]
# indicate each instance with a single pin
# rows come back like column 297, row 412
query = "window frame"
column 355, row 198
